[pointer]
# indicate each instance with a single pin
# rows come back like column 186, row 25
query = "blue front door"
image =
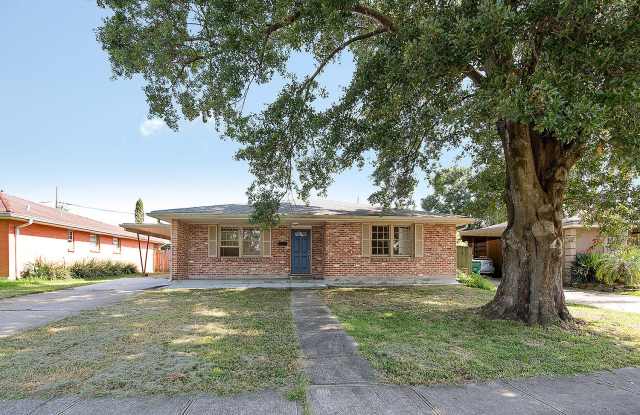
column 301, row 251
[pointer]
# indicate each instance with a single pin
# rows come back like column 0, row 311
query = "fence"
column 463, row 258
column 161, row 260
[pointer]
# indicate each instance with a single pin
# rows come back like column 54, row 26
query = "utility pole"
column 56, row 197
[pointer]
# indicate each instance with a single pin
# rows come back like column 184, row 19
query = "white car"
column 486, row 266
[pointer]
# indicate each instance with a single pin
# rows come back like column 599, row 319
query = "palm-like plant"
column 623, row 266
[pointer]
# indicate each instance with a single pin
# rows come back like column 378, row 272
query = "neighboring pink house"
column 578, row 238
column 321, row 241
column 30, row 230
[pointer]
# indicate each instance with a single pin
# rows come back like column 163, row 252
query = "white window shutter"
column 366, row 239
column 265, row 236
column 418, row 240
column 213, row 240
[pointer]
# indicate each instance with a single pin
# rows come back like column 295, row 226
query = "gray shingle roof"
column 314, row 209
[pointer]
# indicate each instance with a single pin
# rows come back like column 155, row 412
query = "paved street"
column 34, row 310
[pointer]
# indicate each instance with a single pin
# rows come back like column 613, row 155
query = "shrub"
column 583, row 270
column 45, row 270
column 95, row 269
column 474, row 280
column 622, row 266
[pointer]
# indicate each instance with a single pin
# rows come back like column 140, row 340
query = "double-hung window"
column 117, row 248
column 229, row 242
column 391, row 240
column 237, row 242
column 71, row 245
column 94, row 242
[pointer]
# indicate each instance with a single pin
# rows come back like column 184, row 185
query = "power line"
column 95, row 208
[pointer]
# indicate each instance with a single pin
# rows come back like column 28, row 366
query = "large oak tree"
column 547, row 83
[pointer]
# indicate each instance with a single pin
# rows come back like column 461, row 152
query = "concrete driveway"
column 34, row 310
column 609, row 301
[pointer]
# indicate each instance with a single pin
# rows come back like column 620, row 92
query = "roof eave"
column 455, row 220
column 24, row 218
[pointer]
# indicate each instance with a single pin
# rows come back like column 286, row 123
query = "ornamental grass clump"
column 619, row 267
column 96, row 269
column 45, row 270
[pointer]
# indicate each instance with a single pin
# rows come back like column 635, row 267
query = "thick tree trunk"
column 537, row 166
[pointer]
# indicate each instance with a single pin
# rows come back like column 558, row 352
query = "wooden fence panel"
column 463, row 258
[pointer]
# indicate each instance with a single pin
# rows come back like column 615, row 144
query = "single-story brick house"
column 322, row 240
column 578, row 238
column 30, row 230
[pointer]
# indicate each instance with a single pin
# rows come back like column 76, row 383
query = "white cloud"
column 151, row 126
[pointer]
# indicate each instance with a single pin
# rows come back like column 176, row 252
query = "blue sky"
column 66, row 123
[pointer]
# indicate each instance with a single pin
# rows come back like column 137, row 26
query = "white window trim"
column 71, row 242
column 240, row 230
column 391, row 240
column 95, row 248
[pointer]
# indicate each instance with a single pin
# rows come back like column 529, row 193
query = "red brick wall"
column 201, row 265
column 179, row 249
column 317, row 251
column 4, row 247
column 336, row 252
column 343, row 254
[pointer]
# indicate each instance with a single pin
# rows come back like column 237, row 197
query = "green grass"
column 474, row 280
column 435, row 335
column 167, row 342
column 32, row 286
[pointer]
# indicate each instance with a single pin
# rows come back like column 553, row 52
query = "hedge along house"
column 30, row 230
column 323, row 240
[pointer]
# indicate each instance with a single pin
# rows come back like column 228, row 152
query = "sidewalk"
column 34, row 310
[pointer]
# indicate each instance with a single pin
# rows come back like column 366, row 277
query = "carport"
column 162, row 259
column 486, row 243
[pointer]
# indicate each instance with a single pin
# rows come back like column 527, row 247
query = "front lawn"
column 160, row 342
column 32, row 286
column 434, row 335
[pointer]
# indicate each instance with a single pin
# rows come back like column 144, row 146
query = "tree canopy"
column 429, row 76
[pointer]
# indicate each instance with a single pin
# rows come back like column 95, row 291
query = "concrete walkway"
column 262, row 403
column 617, row 302
column 34, row 310
column 614, row 393
column 330, row 356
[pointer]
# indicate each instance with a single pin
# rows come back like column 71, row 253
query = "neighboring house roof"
column 13, row 207
column 159, row 230
column 315, row 210
column 495, row 231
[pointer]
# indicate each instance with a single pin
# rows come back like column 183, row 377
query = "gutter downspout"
column 15, row 247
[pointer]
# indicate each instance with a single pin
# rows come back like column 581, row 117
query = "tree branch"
column 337, row 50
column 284, row 23
column 475, row 75
column 385, row 21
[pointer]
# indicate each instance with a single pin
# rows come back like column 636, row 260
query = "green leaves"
column 433, row 77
